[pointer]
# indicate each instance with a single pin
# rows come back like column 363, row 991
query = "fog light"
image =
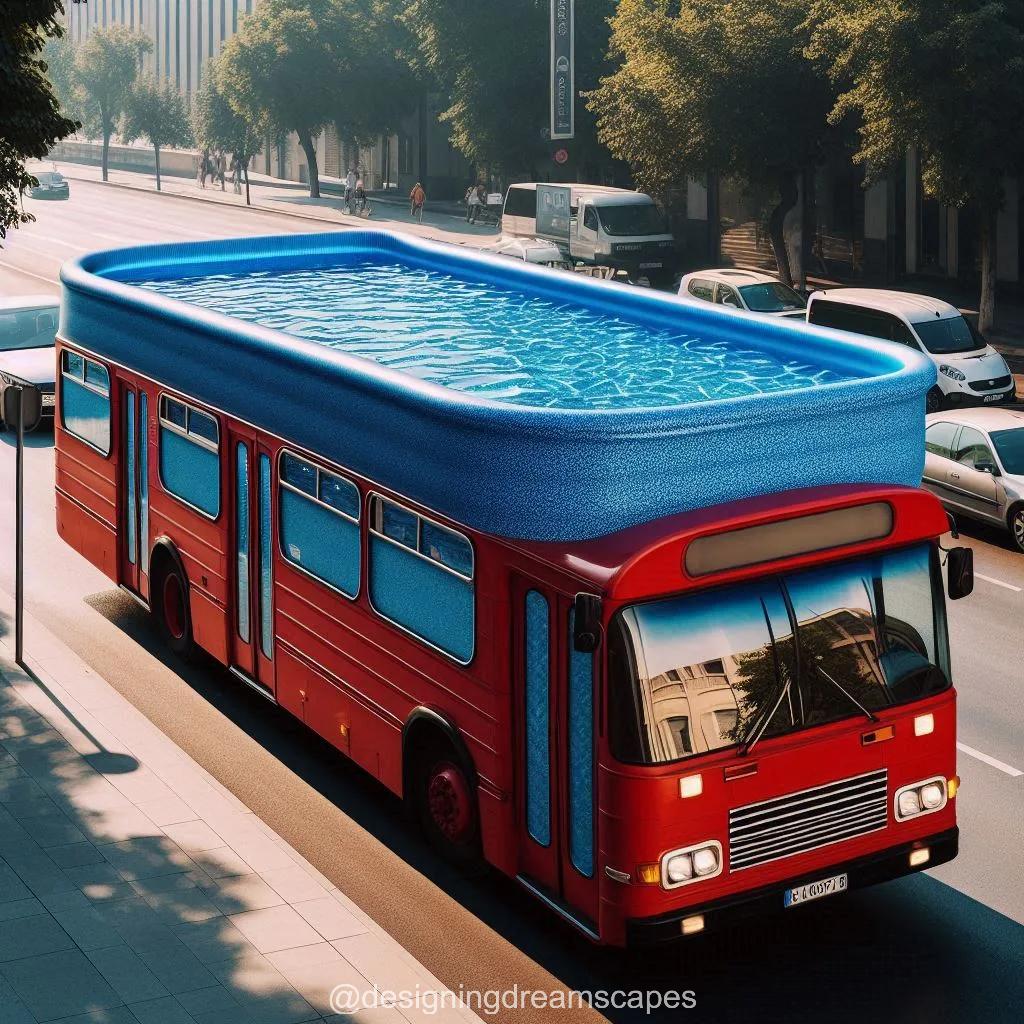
column 692, row 785
column 931, row 796
column 909, row 803
column 919, row 857
column 705, row 861
column 692, row 925
column 924, row 725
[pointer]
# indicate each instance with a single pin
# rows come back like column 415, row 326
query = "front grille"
column 994, row 384
column 799, row 822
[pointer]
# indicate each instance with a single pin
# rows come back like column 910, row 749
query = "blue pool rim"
column 512, row 470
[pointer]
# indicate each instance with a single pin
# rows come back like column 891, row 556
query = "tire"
column 1015, row 521
column 169, row 604
column 445, row 804
column 935, row 401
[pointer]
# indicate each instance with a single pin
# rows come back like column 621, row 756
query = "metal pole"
column 19, row 529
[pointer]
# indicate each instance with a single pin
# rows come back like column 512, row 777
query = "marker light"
column 691, row 785
column 924, row 725
column 919, row 857
column 649, row 874
column 953, row 786
column 692, row 925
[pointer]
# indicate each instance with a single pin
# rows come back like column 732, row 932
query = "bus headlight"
column 919, row 798
column 691, row 864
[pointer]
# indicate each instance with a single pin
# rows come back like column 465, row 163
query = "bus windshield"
column 692, row 674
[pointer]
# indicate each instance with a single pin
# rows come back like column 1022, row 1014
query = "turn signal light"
column 952, row 785
column 649, row 874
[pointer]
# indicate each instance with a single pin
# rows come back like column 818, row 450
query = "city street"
column 941, row 946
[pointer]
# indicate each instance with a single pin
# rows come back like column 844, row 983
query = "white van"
column 594, row 225
column 970, row 371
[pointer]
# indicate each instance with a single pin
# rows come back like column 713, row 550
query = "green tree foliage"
column 59, row 54
column 217, row 125
column 155, row 111
column 491, row 59
column 719, row 86
column 945, row 76
column 106, row 66
column 302, row 64
column 30, row 118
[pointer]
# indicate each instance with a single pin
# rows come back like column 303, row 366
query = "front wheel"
column 445, row 802
column 1016, row 524
column 933, row 403
column 170, row 605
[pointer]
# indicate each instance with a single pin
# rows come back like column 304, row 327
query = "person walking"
column 417, row 197
column 236, row 173
column 222, row 168
column 204, row 168
column 474, row 200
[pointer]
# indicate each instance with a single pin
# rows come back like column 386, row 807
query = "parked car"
column 744, row 289
column 51, row 186
column 531, row 250
column 970, row 371
column 28, row 326
column 974, row 464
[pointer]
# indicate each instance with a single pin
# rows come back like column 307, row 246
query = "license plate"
column 650, row 266
column 47, row 401
column 815, row 890
column 993, row 398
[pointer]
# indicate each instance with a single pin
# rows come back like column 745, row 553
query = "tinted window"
column 28, row 328
column 771, row 297
column 399, row 525
column 1010, row 445
column 632, row 219
column 175, row 412
column 938, row 438
column 954, row 334
column 300, row 474
column 448, row 548
column 85, row 400
column 858, row 320
column 590, row 219
column 521, row 202
column 726, row 296
column 339, row 494
column 202, row 426
column 972, row 448
column 703, row 290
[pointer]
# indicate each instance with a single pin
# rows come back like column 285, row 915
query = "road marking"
column 28, row 273
column 998, row 583
column 990, row 761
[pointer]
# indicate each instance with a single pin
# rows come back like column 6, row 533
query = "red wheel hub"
column 174, row 606
column 450, row 801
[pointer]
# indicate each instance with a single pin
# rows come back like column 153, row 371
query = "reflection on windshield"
column 771, row 297
column 634, row 219
column 28, row 328
column 693, row 674
column 947, row 337
column 1010, row 445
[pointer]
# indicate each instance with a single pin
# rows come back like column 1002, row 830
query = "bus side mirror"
column 586, row 623
column 960, row 572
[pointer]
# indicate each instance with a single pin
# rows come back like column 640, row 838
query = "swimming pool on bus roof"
column 496, row 342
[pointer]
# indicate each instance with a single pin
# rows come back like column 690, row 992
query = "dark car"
column 28, row 327
column 51, row 186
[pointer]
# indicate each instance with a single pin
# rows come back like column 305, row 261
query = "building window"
column 421, row 578
column 190, row 455
column 85, row 400
column 538, row 726
column 319, row 523
column 581, row 758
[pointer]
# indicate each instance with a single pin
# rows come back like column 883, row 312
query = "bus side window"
column 581, row 758
column 421, row 578
column 85, row 400
column 190, row 455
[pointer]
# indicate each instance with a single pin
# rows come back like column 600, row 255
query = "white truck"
column 595, row 225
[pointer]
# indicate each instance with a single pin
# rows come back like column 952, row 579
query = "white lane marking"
column 990, row 761
column 28, row 273
column 998, row 583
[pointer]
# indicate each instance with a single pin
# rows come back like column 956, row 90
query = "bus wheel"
column 170, row 606
column 446, row 807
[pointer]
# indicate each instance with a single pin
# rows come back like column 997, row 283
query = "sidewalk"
column 135, row 889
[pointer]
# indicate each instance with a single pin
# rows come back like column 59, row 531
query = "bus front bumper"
column 882, row 866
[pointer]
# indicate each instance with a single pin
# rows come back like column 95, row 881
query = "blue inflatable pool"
column 517, row 400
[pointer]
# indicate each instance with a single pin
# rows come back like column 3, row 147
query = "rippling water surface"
column 492, row 341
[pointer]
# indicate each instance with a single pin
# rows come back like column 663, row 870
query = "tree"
column 217, row 125
column 490, row 58
column 30, row 119
column 302, row 64
column 155, row 111
column 106, row 66
column 59, row 54
column 944, row 76
column 717, row 86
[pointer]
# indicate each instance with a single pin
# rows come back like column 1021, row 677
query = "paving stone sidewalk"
column 135, row 889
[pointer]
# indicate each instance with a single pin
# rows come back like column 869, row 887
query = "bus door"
column 555, row 690
column 251, row 470
column 134, row 532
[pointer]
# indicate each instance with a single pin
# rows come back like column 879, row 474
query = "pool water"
column 492, row 341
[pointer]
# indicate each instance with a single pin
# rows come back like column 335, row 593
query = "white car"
column 743, row 289
column 531, row 250
column 970, row 371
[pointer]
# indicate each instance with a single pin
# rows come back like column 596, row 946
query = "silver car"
column 974, row 464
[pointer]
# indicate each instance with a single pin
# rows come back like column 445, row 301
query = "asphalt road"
column 942, row 946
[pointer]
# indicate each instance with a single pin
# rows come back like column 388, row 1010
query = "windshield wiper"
column 845, row 692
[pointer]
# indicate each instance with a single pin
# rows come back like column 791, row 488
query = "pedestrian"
column 417, row 197
column 204, row 168
column 473, row 203
column 236, row 173
column 222, row 168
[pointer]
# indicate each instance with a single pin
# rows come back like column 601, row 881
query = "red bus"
column 730, row 708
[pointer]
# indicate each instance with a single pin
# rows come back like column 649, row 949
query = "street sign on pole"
column 563, row 69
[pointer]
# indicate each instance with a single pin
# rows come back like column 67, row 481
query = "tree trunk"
column 308, row 147
column 245, row 171
column 107, row 129
column 156, row 151
column 987, row 303
column 777, row 223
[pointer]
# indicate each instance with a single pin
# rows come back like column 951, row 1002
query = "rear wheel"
column 1016, row 524
column 933, row 403
column 446, row 807
column 171, row 607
